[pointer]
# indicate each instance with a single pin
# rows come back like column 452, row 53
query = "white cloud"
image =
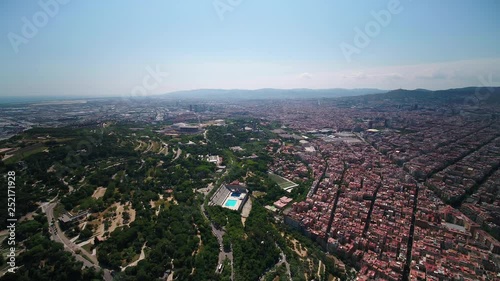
column 433, row 76
column 256, row 75
column 305, row 75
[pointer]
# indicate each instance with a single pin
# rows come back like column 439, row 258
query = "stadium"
column 232, row 196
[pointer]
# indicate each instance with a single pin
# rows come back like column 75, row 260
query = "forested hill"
column 468, row 96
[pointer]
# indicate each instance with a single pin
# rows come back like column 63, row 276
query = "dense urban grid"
column 396, row 186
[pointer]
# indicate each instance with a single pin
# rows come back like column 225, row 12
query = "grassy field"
column 25, row 152
column 87, row 247
column 258, row 194
column 282, row 182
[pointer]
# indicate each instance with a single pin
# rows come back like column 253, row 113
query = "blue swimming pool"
column 231, row 203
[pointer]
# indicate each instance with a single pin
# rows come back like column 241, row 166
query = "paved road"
column 58, row 235
column 219, row 233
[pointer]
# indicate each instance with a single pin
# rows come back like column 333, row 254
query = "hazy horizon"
column 103, row 49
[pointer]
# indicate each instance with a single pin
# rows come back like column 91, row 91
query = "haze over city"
column 103, row 48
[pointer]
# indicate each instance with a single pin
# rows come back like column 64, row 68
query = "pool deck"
column 228, row 203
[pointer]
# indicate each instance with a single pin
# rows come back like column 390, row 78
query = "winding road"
column 57, row 235
column 219, row 234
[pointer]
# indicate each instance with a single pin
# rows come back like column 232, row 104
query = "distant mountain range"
column 219, row 94
column 489, row 95
column 474, row 95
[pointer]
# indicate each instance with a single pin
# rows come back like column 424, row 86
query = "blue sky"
column 105, row 48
